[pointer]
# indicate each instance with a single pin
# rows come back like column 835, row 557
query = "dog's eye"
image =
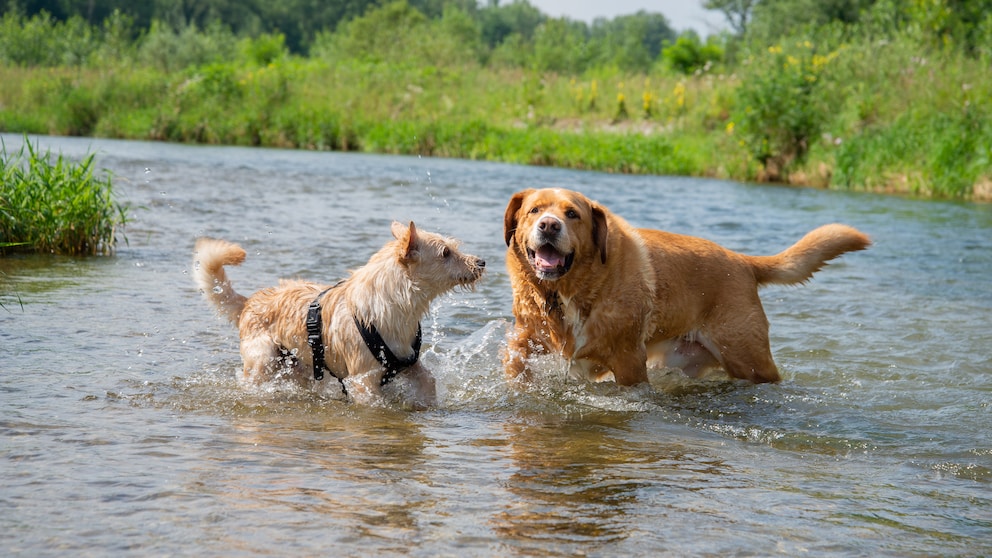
column 572, row 214
column 445, row 252
column 534, row 210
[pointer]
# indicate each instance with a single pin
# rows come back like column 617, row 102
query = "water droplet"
column 218, row 289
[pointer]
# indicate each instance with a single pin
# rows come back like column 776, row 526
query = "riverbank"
column 797, row 113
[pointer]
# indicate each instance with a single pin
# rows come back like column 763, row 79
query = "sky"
column 682, row 14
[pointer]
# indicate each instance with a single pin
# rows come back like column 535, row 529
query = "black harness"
column 375, row 343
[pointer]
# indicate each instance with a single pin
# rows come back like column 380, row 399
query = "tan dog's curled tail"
column 209, row 258
column 801, row 260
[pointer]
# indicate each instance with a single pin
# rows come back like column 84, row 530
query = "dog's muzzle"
column 548, row 262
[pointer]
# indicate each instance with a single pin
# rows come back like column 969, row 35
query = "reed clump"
column 49, row 204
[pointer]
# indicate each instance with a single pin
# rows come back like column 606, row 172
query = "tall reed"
column 56, row 206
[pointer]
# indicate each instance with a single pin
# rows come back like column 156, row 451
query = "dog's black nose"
column 479, row 262
column 549, row 225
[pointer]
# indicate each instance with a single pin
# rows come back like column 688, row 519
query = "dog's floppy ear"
column 600, row 231
column 510, row 217
column 408, row 237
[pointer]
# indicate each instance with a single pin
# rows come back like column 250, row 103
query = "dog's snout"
column 480, row 263
column 549, row 225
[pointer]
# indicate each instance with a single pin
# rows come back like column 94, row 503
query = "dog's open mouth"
column 548, row 262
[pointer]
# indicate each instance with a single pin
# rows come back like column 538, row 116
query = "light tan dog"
column 611, row 298
column 388, row 296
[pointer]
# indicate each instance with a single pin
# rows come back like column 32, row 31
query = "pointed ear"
column 399, row 230
column 600, row 231
column 410, row 243
column 510, row 217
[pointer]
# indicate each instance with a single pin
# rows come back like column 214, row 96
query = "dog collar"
column 377, row 346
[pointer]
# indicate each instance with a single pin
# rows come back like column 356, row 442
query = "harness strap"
column 315, row 327
column 384, row 355
column 375, row 343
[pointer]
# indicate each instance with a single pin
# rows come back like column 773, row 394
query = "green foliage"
column 925, row 153
column 56, row 207
column 171, row 50
column 689, row 55
column 630, row 43
column 499, row 23
column 876, row 94
column 559, row 46
column 780, row 109
column 399, row 33
column 43, row 41
column 264, row 49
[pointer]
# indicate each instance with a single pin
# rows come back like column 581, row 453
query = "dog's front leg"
column 424, row 391
column 363, row 388
column 518, row 348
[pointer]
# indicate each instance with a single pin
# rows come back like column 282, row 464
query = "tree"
column 631, row 42
column 517, row 18
column 737, row 12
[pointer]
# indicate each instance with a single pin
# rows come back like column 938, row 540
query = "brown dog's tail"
column 800, row 261
column 209, row 258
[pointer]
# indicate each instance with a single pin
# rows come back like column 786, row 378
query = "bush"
column 689, row 54
column 173, row 50
column 400, row 34
column 781, row 110
column 264, row 49
column 42, row 41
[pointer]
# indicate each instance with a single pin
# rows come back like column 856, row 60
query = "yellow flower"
column 730, row 128
column 679, row 94
column 775, row 49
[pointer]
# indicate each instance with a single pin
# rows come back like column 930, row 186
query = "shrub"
column 400, row 34
column 780, row 109
column 173, row 50
column 689, row 54
column 264, row 49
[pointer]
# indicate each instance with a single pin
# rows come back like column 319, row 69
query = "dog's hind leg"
column 743, row 347
column 261, row 357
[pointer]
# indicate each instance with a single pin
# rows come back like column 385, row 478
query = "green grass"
column 870, row 117
column 55, row 205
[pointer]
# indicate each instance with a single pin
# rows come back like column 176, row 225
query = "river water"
column 124, row 432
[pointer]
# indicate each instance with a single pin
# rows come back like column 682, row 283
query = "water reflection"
column 584, row 480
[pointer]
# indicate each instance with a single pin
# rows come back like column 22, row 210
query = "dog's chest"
column 573, row 321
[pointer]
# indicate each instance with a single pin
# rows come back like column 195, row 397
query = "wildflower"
column 730, row 128
column 679, row 94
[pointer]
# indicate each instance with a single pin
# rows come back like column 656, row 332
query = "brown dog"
column 609, row 298
column 388, row 295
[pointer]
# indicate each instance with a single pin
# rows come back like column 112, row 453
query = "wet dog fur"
column 393, row 291
column 612, row 299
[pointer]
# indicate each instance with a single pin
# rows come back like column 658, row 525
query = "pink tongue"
column 548, row 258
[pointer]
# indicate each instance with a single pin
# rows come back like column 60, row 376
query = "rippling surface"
column 124, row 431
